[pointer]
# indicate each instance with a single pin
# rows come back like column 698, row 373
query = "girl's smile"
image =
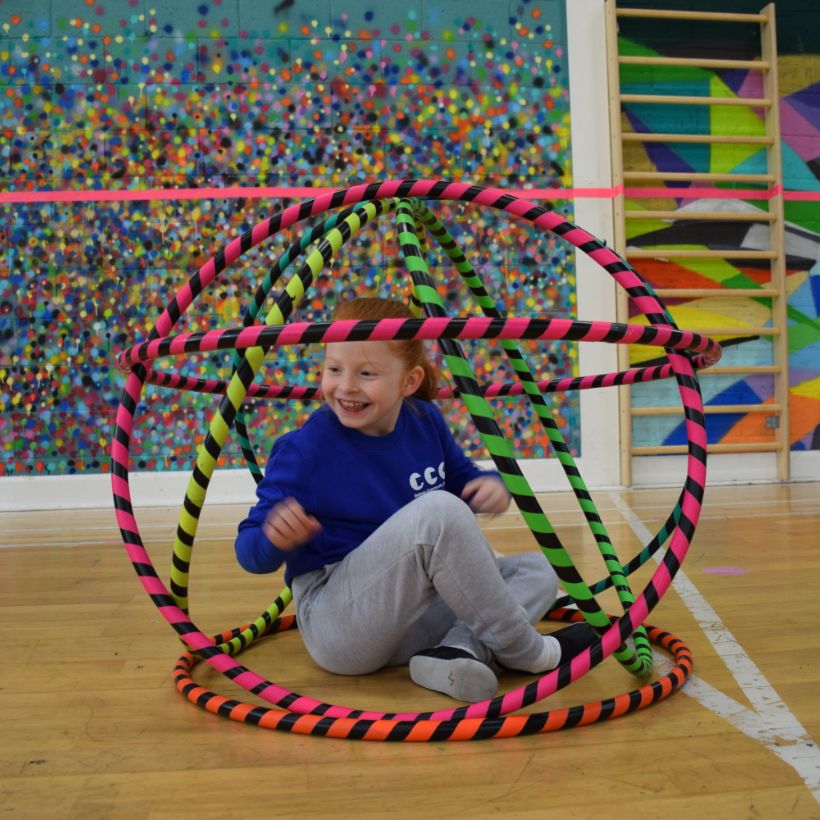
column 365, row 383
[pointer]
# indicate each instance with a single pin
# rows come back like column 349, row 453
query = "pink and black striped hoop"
column 685, row 351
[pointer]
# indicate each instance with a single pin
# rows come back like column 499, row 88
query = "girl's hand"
column 487, row 494
column 287, row 525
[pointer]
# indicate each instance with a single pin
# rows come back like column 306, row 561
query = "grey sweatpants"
column 426, row 577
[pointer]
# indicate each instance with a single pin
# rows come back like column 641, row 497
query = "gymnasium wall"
column 121, row 117
column 123, row 108
column 799, row 84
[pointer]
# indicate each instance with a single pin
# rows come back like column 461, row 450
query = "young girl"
column 371, row 506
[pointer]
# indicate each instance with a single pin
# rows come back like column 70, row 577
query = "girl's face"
column 365, row 383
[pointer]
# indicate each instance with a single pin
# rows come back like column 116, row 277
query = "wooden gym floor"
column 92, row 726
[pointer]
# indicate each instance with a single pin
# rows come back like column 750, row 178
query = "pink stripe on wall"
column 178, row 194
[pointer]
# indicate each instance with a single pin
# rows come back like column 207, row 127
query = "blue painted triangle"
column 796, row 173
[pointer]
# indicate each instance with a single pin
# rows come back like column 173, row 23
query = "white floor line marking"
column 770, row 722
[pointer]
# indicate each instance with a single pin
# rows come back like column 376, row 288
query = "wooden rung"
column 682, row 176
column 740, row 370
column 721, row 293
column 712, row 409
column 709, row 16
column 711, row 216
column 695, row 62
column 673, row 449
column 732, row 332
column 726, row 139
column 683, row 99
column 669, row 253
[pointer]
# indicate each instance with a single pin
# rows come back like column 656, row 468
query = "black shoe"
column 454, row 672
column 574, row 639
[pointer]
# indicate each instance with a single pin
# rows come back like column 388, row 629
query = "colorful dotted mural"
column 113, row 96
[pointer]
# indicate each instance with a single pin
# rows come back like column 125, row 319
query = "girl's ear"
column 412, row 381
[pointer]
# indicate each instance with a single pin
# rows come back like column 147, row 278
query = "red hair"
column 411, row 351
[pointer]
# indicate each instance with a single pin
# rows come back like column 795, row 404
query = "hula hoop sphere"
column 344, row 213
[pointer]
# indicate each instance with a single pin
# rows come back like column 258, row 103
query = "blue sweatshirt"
column 351, row 482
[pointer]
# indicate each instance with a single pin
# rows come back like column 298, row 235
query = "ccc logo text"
column 429, row 478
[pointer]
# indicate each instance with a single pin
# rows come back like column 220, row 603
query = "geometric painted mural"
column 109, row 110
column 800, row 132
